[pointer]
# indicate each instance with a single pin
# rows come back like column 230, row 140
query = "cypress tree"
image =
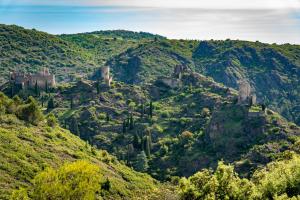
column 136, row 141
column 131, row 122
column 124, row 127
column 46, row 86
column 74, row 127
column 36, row 89
column 72, row 103
column 151, row 109
column 51, row 104
column 142, row 110
column 98, row 87
column 107, row 117
column 147, row 147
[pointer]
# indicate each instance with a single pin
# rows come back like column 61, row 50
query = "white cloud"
column 207, row 4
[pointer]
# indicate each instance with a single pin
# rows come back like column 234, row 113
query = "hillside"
column 106, row 44
column 199, row 123
column 274, row 70
column 139, row 58
column 28, row 149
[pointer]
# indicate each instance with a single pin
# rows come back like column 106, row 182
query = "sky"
column 271, row 21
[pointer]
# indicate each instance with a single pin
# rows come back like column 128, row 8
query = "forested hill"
column 274, row 70
column 32, row 142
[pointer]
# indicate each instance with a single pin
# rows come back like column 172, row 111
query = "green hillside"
column 28, row 149
column 199, row 123
column 31, row 50
column 141, row 57
column 274, row 70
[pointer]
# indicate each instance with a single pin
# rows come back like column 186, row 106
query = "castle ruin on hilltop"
column 105, row 75
column 42, row 79
column 246, row 94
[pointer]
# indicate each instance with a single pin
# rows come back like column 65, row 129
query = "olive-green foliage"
column 278, row 180
column 26, row 150
column 51, row 120
column 79, row 180
column 223, row 184
column 141, row 162
column 30, row 111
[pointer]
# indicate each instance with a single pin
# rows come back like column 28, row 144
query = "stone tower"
column 105, row 74
column 246, row 95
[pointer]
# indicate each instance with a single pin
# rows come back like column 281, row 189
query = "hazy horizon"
column 276, row 21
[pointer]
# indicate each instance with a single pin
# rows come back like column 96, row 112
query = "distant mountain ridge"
column 273, row 70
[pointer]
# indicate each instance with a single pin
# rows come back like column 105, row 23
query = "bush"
column 51, row 120
column 30, row 112
column 80, row 180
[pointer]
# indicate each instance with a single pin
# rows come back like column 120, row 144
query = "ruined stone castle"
column 175, row 80
column 27, row 80
column 105, row 75
column 246, row 94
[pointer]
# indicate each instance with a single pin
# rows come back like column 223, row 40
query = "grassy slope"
column 26, row 150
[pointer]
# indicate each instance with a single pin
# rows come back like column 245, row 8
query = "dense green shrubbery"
column 279, row 180
column 80, row 180
column 28, row 111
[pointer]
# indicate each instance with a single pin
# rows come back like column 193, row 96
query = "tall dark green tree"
column 107, row 117
column 142, row 110
column 74, row 128
column 147, row 146
column 72, row 103
column 51, row 104
column 131, row 122
column 151, row 109
column 124, row 126
column 98, row 87
column 46, row 87
column 36, row 89
column 136, row 141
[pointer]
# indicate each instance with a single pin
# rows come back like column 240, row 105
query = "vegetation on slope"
column 27, row 149
column 278, row 180
column 273, row 70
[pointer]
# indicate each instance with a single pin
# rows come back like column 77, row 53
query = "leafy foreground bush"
column 78, row 180
column 279, row 180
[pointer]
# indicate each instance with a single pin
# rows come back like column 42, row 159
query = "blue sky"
column 264, row 20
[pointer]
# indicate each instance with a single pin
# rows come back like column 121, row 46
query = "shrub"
column 30, row 112
column 79, row 180
column 51, row 120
